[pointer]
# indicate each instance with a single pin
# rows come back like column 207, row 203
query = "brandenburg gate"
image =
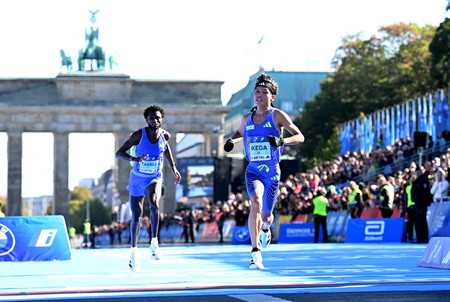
column 102, row 102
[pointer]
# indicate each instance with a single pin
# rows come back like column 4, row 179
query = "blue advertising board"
column 439, row 225
column 34, row 238
column 374, row 230
column 298, row 233
column 437, row 253
column 241, row 235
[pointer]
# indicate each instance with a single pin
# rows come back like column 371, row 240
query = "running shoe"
column 154, row 251
column 134, row 262
column 264, row 238
column 256, row 262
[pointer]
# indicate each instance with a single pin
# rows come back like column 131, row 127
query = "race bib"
column 260, row 151
column 149, row 166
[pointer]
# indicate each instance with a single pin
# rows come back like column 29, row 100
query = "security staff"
column 86, row 232
column 320, row 215
column 355, row 200
column 410, row 210
column 422, row 197
column 386, row 197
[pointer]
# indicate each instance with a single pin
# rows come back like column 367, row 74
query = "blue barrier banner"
column 439, row 225
column 341, row 221
column 374, row 230
column 173, row 231
column 298, row 233
column 331, row 222
column 437, row 253
column 34, row 238
column 241, row 235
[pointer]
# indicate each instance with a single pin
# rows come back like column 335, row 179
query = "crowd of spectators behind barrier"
column 297, row 191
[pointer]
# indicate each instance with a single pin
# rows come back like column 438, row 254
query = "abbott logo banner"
column 34, row 238
column 374, row 230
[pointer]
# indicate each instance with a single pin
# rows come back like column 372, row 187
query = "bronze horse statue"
column 65, row 61
column 92, row 51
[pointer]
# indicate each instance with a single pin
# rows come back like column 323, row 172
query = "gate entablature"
column 101, row 102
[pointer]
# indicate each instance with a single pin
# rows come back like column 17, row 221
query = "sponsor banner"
column 437, row 253
column 172, row 232
column 34, row 238
column 439, row 225
column 228, row 229
column 279, row 219
column 210, row 230
column 341, row 222
column 298, row 233
column 331, row 222
column 241, row 235
column 374, row 230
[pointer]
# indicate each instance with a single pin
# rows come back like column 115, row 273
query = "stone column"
column 61, row 175
column 122, row 169
column 212, row 143
column 168, row 202
column 14, row 173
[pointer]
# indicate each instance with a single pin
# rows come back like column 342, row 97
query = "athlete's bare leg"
column 154, row 191
column 254, row 219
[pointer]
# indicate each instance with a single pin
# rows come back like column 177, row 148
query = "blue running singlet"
column 263, row 172
column 150, row 169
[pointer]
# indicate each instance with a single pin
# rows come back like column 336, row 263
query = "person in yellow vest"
column 410, row 209
column 72, row 234
column 320, row 203
column 386, row 196
column 86, row 232
column 355, row 200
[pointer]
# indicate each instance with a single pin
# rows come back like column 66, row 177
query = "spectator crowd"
column 397, row 166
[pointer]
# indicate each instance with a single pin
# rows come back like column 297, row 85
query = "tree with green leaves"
column 99, row 214
column 440, row 50
column 370, row 74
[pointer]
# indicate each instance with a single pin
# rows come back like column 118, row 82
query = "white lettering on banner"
column 374, row 228
column 446, row 258
column 46, row 238
column 373, row 238
column 436, row 250
column 298, row 232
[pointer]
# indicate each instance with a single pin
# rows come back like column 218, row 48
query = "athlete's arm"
column 134, row 139
column 169, row 157
column 237, row 136
column 283, row 121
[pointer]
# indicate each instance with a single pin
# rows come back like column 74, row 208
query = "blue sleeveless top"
column 257, row 149
column 152, row 165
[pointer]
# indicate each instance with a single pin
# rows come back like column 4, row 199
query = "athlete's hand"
column 140, row 158
column 229, row 145
column 177, row 176
column 275, row 141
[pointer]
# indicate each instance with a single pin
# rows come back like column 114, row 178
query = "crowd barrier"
column 34, row 238
column 341, row 228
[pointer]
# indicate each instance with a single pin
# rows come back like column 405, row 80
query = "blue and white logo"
column 7, row 240
column 374, row 230
column 242, row 235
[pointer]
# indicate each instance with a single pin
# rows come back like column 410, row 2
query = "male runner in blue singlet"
column 150, row 144
column 262, row 131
